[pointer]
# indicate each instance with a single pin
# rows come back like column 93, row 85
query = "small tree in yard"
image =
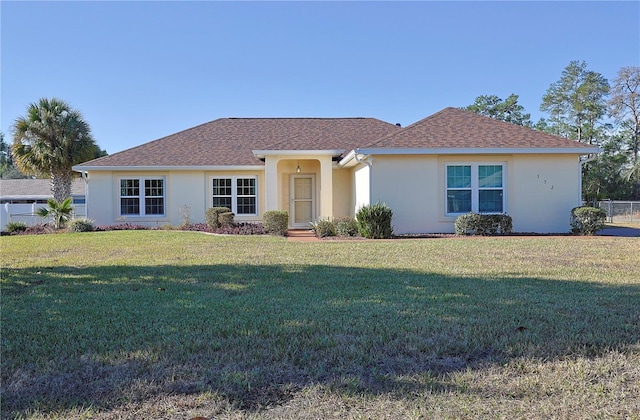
column 59, row 211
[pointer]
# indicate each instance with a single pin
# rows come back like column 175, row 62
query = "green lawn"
column 168, row 324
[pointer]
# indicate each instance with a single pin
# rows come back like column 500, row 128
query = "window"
column 222, row 192
column 474, row 187
column 458, row 189
column 237, row 193
column 490, row 189
column 145, row 201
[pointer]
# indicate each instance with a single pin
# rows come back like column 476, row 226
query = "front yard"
column 170, row 324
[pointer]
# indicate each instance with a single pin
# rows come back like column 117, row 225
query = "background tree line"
column 582, row 105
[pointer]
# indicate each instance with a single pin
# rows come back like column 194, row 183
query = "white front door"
column 303, row 209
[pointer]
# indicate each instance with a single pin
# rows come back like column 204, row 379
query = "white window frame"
column 234, row 192
column 141, row 195
column 475, row 187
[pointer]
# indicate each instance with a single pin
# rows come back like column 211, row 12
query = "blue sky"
column 139, row 71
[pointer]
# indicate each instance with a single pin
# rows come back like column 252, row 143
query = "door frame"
column 292, row 199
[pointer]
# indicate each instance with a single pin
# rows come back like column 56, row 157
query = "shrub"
column 39, row 229
column 121, row 226
column 346, row 226
column 374, row 221
column 587, row 220
column 466, row 224
column 324, row 227
column 483, row 224
column 14, row 227
column 246, row 228
column 243, row 228
column 505, row 223
column 212, row 216
column 276, row 222
column 226, row 219
column 81, row 225
column 59, row 211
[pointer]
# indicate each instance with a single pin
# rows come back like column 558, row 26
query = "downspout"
column 85, row 176
column 369, row 162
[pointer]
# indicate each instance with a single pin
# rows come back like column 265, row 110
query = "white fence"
column 27, row 213
column 621, row 211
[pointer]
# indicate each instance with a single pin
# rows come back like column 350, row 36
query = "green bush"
column 374, row 221
column 324, row 227
column 483, row 224
column 212, row 216
column 276, row 222
column 466, row 224
column 346, row 226
column 13, row 227
column 587, row 220
column 81, row 225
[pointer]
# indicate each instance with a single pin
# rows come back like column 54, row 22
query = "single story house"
column 429, row 173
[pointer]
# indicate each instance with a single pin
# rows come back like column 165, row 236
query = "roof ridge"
column 302, row 118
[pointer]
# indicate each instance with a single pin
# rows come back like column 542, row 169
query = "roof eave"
column 478, row 151
column 171, row 168
column 261, row 154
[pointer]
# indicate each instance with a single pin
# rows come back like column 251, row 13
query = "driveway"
column 622, row 231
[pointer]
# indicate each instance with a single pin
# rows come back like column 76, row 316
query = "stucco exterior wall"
column 100, row 197
column 182, row 188
column 362, row 187
column 342, row 193
column 540, row 190
column 185, row 188
column 409, row 185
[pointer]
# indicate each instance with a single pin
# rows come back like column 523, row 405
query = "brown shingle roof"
column 230, row 141
column 454, row 128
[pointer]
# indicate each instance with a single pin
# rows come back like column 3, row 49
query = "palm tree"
column 60, row 212
column 49, row 140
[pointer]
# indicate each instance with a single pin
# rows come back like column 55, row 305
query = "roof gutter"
column 261, row 154
column 171, row 168
column 366, row 159
column 479, row 150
